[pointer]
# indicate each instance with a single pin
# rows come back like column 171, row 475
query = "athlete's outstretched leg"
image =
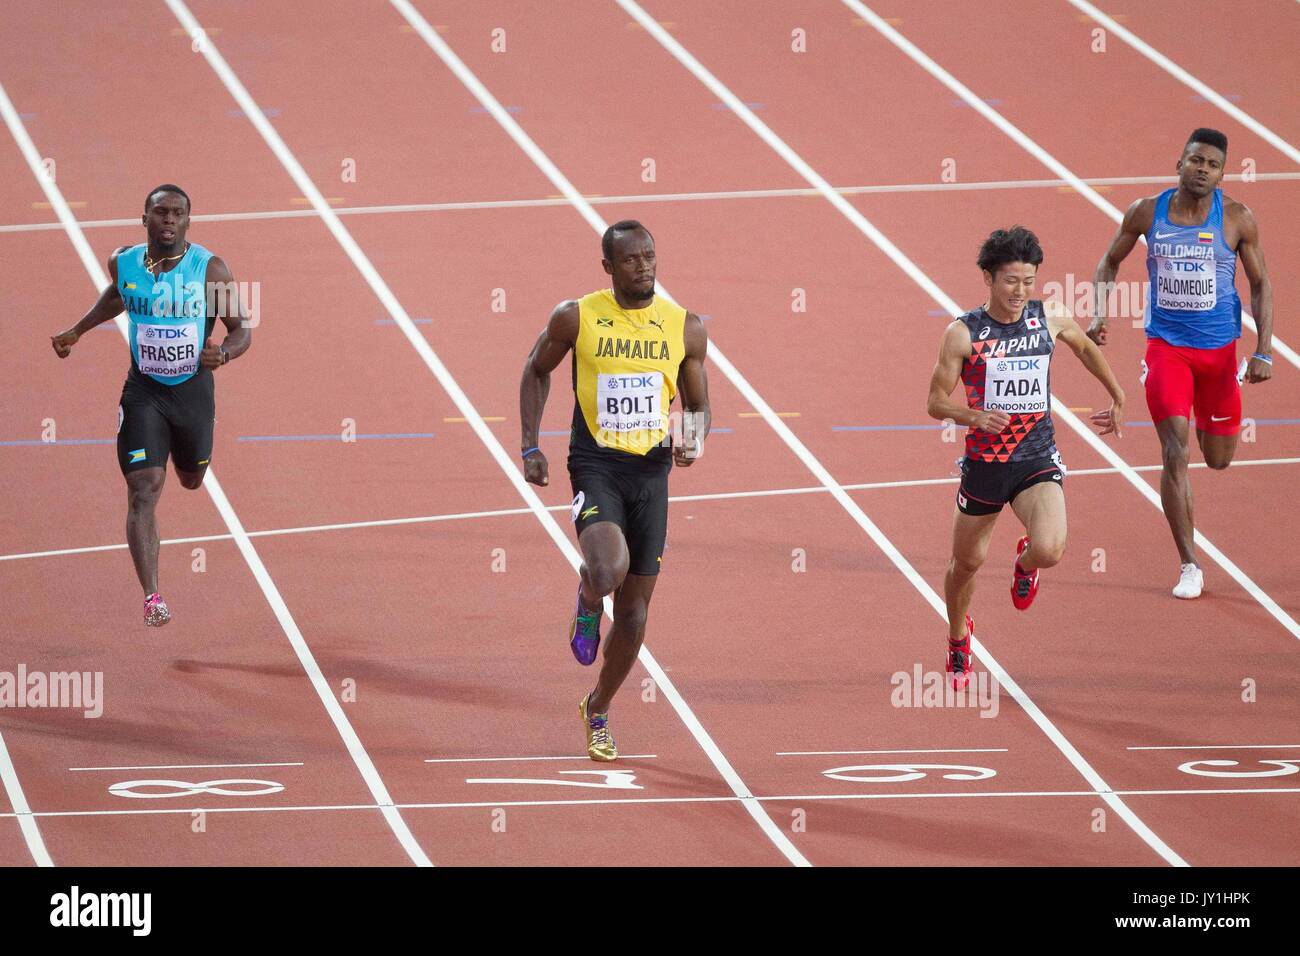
column 191, row 479
column 1217, row 402
column 1217, row 449
column 143, row 488
column 1175, row 488
column 631, row 605
column 604, row 566
column 970, row 546
column 604, row 561
column 1041, row 509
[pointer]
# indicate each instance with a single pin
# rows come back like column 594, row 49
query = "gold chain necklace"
column 150, row 262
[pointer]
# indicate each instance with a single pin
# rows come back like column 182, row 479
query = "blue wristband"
column 529, row 451
column 1263, row 358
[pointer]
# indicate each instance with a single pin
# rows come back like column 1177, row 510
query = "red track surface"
column 452, row 659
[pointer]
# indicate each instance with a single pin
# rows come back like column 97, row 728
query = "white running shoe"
column 1190, row 582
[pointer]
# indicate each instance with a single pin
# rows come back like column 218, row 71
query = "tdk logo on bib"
column 629, row 403
column 1017, row 385
column 633, row 381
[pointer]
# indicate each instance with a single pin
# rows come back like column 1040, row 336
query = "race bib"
column 630, row 402
column 1017, row 386
column 1186, row 284
column 167, row 350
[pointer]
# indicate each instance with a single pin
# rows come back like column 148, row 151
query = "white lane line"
column 1059, row 408
column 577, row 802
column 921, row 59
column 193, row 766
column 674, row 499
column 1222, row 747
column 621, row 758
column 1187, row 79
column 8, row 775
column 851, row 753
column 290, row 627
column 18, row 800
column 399, row 315
column 795, row 161
column 803, row 192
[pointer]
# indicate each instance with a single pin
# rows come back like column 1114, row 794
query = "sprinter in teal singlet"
column 172, row 291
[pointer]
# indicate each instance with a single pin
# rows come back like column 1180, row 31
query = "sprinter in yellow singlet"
column 632, row 353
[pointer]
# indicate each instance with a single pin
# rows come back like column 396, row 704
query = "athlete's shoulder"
column 1057, row 315
column 971, row 318
column 694, row 336
column 957, row 335
column 117, row 254
column 215, row 267
column 1054, row 309
column 1141, row 213
column 564, row 321
column 1235, row 209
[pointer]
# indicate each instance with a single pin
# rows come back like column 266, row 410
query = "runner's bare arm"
column 1137, row 220
column 953, row 351
column 1261, row 292
column 1064, row 329
column 560, row 335
column 106, row 307
column 223, row 303
column 693, row 384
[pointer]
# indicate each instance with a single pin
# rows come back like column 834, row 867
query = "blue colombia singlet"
column 1193, row 302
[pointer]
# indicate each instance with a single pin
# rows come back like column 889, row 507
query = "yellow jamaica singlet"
column 625, row 365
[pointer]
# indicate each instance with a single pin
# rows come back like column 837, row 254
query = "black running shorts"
column 155, row 421
column 635, row 498
column 988, row 485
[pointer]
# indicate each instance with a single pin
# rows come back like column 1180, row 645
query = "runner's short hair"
column 1210, row 137
column 623, row 225
column 1016, row 244
column 167, row 188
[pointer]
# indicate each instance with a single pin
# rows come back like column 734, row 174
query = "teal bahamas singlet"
column 167, row 314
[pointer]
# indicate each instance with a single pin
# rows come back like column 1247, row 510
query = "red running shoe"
column 1024, row 584
column 960, row 659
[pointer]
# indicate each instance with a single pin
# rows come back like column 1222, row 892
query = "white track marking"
column 795, row 161
column 576, row 802
column 851, row 753
column 724, row 194
column 921, row 59
column 193, row 766
column 675, row 499
column 18, row 800
column 101, row 279
column 507, row 464
column 8, row 775
column 621, row 757
column 1187, row 79
column 1060, row 409
column 1223, row 747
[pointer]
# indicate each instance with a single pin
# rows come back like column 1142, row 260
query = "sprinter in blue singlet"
column 1194, row 236
column 172, row 292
